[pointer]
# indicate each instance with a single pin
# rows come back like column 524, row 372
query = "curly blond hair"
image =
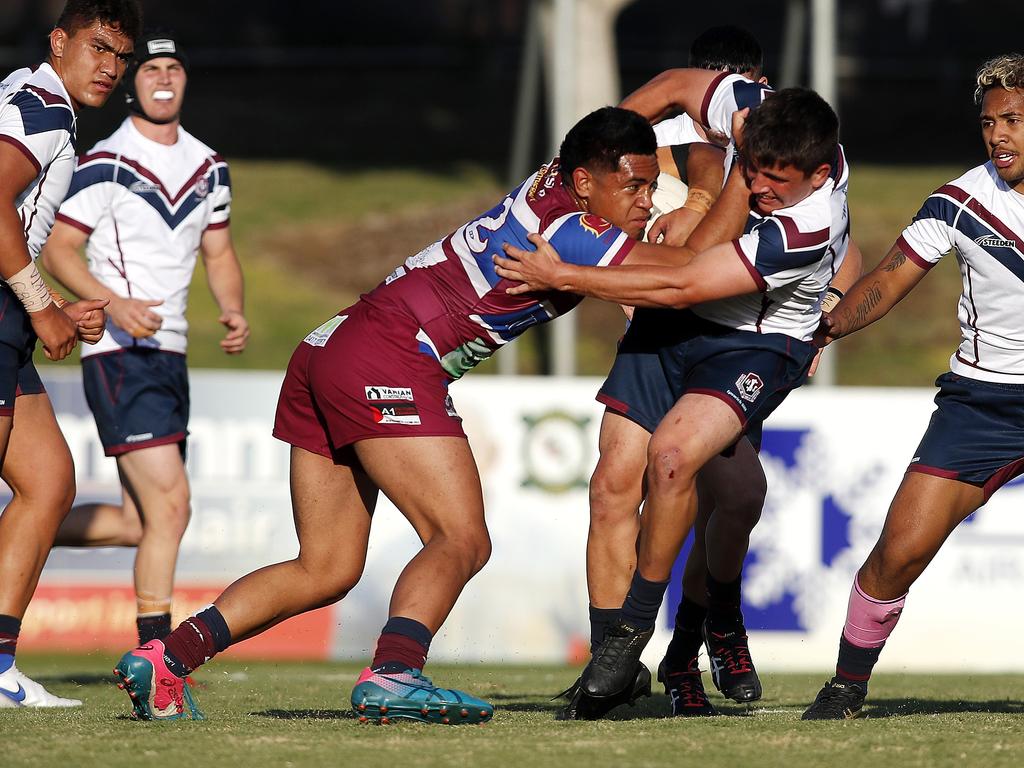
column 1004, row 71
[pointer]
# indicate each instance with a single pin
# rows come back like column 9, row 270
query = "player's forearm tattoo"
column 854, row 318
column 896, row 261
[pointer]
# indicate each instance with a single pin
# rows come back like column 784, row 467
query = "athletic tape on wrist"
column 831, row 298
column 699, row 200
column 30, row 288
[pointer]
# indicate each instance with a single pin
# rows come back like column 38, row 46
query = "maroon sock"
column 403, row 643
column 196, row 640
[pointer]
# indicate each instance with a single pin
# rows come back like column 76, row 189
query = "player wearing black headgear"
column 156, row 78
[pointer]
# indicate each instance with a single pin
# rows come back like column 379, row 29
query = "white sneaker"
column 17, row 690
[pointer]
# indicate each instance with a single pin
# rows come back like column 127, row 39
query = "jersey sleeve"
column 220, row 194
column 588, row 240
column 90, row 193
column 38, row 124
column 676, row 130
column 931, row 234
column 777, row 253
column 727, row 94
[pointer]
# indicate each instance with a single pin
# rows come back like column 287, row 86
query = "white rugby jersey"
column 982, row 220
column 677, row 130
column 36, row 117
column 145, row 207
column 792, row 254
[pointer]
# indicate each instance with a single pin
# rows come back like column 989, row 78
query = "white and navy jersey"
column 36, row 117
column 677, row 130
column 145, row 207
column 727, row 94
column 792, row 254
column 453, row 292
column 980, row 218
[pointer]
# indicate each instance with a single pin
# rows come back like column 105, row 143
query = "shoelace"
column 736, row 657
column 691, row 691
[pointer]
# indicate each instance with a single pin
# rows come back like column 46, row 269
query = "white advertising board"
column 833, row 457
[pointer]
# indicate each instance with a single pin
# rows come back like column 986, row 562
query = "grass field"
column 293, row 714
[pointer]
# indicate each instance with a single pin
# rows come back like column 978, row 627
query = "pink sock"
column 869, row 622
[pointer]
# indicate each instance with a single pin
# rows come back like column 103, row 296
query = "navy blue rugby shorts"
column 138, row 397
column 667, row 353
column 976, row 433
column 18, row 375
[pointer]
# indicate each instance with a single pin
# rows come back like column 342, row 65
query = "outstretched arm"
column 713, row 274
column 871, row 297
column 674, row 90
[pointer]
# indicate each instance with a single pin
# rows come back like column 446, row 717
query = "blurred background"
column 358, row 133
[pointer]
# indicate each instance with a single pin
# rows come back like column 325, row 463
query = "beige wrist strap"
column 30, row 288
column 699, row 200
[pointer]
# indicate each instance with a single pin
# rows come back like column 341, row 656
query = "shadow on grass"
column 904, row 707
column 306, row 714
column 83, row 678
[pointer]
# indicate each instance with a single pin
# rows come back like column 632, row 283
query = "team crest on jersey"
column 750, row 386
column 991, row 241
column 595, row 225
column 202, row 188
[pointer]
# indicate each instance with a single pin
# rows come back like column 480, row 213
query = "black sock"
column 687, row 635
column 600, row 620
column 724, row 603
column 154, row 626
column 855, row 663
column 643, row 601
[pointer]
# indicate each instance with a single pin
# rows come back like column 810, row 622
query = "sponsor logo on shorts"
column 750, row 386
column 139, row 437
column 395, row 413
column 449, row 407
column 594, row 224
column 319, row 336
column 991, row 241
column 389, row 393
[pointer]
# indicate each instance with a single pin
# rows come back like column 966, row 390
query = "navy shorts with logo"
column 667, row 353
column 139, row 398
column 976, row 433
column 18, row 375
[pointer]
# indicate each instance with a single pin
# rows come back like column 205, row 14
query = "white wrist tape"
column 30, row 288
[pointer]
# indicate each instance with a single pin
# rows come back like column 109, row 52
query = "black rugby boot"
column 614, row 665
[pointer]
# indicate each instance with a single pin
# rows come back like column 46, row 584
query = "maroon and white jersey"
column 36, row 117
column 459, row 301
column 145, row 207
column 981, row 219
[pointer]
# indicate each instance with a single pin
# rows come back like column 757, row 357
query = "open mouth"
column 163, row 95
column 1003, row 159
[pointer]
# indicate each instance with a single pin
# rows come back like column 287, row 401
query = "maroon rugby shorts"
column 363, row 374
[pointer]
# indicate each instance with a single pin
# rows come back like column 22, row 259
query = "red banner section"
column 88, row 617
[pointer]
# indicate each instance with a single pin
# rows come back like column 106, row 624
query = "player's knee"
column 614, row 498
column 741, row 506
column 669, row 466
column 477, row 550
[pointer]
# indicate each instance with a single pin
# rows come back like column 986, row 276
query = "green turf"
column 298, row 715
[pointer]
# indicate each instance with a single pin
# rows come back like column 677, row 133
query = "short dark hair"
column 794, row 126
column 602, row 138
column 727, row 48
column 126, row 15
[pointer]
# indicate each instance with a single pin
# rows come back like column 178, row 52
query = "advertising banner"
column 833, row 458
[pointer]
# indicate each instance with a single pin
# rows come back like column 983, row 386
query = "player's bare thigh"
column 923, row 513
column 433, row 481
column 37, row 464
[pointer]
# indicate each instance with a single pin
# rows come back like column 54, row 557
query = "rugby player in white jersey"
column 974, row 442
column 89, row 50
column 143, row 203
column 729, row 360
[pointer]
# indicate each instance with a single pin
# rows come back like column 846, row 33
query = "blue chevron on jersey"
column 42, row 111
